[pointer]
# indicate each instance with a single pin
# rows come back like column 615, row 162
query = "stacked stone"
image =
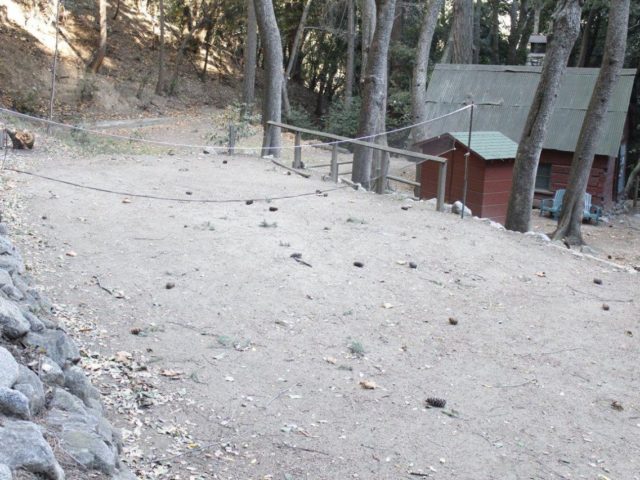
column 50, row 414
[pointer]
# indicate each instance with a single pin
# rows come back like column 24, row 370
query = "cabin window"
column 543, row 177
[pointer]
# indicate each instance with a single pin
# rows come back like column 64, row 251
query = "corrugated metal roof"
column 489, row 145
column 503, row 95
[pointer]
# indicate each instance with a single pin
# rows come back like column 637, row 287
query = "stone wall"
column 51, row 419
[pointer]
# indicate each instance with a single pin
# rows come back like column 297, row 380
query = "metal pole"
column 466, row 164
column 54, row 66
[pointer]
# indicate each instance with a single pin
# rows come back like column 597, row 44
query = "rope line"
column 173, row 199
column 216, row 148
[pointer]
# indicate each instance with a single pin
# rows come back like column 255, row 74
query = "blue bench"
column 554, row 206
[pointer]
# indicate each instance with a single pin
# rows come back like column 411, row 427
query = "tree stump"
column 21, row 139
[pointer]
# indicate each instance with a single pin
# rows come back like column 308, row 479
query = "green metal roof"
column 489, row 145
column 503, row 95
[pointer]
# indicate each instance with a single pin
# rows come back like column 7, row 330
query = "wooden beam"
column 403, row 180
column 299, row 172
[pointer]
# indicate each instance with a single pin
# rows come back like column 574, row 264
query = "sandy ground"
column 251, row 366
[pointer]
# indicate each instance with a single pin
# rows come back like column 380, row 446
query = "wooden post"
column 442, row 181
column 297, row 152
column 383, row 170
column 334, row 163
column 232, row 139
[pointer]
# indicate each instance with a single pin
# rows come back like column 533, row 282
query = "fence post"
column 334, row 163
column 232, row 139
column 297, row 152
column 383, row 170
column 442, row 181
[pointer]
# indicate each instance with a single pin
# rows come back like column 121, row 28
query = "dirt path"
column 250, row 367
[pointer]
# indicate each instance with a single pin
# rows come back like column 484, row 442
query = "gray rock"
column 78, row 384
column 14, row 403
column 456, row 208
column 12, row 293
column 12, row 322
column 31, row 387
column 50, row 372
column 8, row 369
column 5, row 278
column 29, row 450
column 35, row 323
column 122, row 474
column 5, row 472
column 63, row 400
column 10, row 258
column 88, row 438
column 56, row 344
column 4, row 229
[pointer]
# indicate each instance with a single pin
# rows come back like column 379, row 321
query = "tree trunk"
column 565, row 32
column 180, row 53
column 631, row 181
column 297, row 45
column 477, row 13
column 115, row 15
column 520, row 15
column 351, row 53
column 495, row 32
column 462, row 32
column 250, row 57
column 160, row 82
column 272, row 105
column 375, row 90
column 421, row 67
column 573, row 204
column 100, row 53
column 368, row 27
column 587, row 39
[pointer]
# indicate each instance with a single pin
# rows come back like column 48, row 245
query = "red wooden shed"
column 490, row 170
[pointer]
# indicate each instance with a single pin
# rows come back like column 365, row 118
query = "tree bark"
column 372, row 111
column 462, row 32
column 565, row 32
column 351, row 52
column 183, row 46
column 250, row 57
column 368, row 27
column 421, row 67
column 631, row 181
column 297, row 45
column 614, row 49
column 272, row 105
column 477, row 13
column 160, row 82
column 520, row 15
column 587, row 39
column 101, row 51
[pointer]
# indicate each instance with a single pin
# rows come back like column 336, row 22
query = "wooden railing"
column 335, row 164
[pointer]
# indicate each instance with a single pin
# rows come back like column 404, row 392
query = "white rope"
column 215, row 148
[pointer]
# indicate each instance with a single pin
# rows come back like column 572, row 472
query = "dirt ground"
column 253, row 365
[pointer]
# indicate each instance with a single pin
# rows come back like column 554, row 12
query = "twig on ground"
column 533, row 380
column 110, row 292
column 600, row 299
column 303, row 449
column 276, row 397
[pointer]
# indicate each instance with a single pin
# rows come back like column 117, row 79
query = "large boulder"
column 50, row 372
column 89, row 439
column 56, row 344
column 5, row 472
column 77, row 383
column 29, row 450
column 12, row 323
column 9, row 370
column 10, row 258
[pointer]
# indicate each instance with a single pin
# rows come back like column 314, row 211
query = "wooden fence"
column 415, row 157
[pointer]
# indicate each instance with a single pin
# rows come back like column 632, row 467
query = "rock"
column 123, row 474
column 12, row 323
column 456, row 208
column 12, row 292
column 5, row 278
column 88, row 438
column 63, row 400
column 4, row 229
column 56, row 344
column 5, row 472
column 35, row 323
column 9, row 370
column 10, row 258
column 497, row 225
column 78, row 384
column 538, row 236
column 31, row 387
column 14, row 403
column 50, row 372
column 29, row 450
